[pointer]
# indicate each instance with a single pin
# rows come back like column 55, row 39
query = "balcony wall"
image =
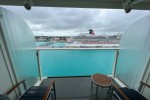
column 60, row 63
column 134, row 53
column 21, row 46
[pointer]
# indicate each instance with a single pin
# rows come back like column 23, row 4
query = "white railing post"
column 39, row 65
column 115, row 64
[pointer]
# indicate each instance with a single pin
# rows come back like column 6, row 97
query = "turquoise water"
column 58, row 44
column 40, row 43
column 57, row 63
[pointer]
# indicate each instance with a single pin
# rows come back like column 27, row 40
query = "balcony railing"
column 56, row 62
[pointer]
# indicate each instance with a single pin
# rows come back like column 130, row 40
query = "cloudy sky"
column 54, row 21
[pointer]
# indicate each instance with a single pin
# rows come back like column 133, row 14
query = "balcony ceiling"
column 112, row 4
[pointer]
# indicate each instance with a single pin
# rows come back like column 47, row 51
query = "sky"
column 58, row 21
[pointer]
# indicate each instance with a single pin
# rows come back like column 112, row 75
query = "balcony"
column 71, row 68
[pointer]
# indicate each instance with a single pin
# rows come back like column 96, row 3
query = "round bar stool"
column 101, row 80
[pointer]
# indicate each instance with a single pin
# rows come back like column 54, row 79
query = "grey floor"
column 76, row 88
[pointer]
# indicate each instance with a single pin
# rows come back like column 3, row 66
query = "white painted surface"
column 5, row 80
column 146, row 91
column 49, row 48
column 119, row 82
column 40, row 81
column 4, row 75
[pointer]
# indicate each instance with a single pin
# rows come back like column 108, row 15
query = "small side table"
column 101, row 80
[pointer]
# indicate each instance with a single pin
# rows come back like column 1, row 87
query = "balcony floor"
column 76, row 88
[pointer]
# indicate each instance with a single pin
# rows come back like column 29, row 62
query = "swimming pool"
column 57, row 44
column 40, row 43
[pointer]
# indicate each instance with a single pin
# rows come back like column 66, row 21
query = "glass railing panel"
column 134, row 53
column 58, row 63
column 21, row 46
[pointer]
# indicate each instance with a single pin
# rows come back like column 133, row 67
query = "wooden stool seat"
column 101, row 80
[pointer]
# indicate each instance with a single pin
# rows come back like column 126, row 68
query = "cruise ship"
column 91, row 44
column 94, row 41
column 31, row 73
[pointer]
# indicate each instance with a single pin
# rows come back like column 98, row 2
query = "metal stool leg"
column 92, row 85
column 96, row 91
column 108, row 93
column 111, row 92
column 54, row 91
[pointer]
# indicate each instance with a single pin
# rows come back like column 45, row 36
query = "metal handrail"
column 123, row 94
column 143, row 84
column 14, row 87
column 49, row 48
